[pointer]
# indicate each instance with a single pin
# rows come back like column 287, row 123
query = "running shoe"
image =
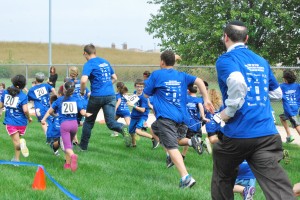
column 127, row 137
column 67, row 166
column 290, row 139
column 196, row 144
column 23, row 147
column 169, row 162
column 187, row 183
column 14, row 160
column 248, row 193
column 286, row 157
column 155, row 143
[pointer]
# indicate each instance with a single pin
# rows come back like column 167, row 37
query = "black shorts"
column 294, row 120
column 190, row 133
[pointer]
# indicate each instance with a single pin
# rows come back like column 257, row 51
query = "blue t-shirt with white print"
column 254, row 119
column 40, row 95
column 53, row 130
column 14, row 114
column 169, row 90
column 194, row 122
column 99, row 72
column 143, row 103
column 67, row 109
column 290, row 98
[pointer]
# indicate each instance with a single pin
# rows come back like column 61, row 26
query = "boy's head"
column 192, row 89
column 289, row 76
column 73, row 71
column 139, row 85
column 39, row 77
column 167, row 58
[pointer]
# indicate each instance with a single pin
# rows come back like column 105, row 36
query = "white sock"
column 184, row 177
column 190, row 142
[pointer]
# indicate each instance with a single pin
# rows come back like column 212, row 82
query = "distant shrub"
column 5, row 72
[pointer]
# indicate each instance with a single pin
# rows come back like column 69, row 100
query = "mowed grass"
column 109, row 170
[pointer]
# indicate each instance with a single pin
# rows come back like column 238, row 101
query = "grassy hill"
column 37, row 53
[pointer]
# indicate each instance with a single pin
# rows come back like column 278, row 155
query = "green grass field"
column 109, row 170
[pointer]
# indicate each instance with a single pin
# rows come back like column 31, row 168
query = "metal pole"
column 50, row 43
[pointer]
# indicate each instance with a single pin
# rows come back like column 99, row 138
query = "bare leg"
column 16, row 141
column 178, row 161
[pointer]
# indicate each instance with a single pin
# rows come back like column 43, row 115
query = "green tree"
column 193, row 28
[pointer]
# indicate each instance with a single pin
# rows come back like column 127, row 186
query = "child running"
column 290, row 102
column 245, row 181
column 139, row 114
column 16, row 115
column 53, row 130
column 122, row 110
column 67, row 108
column 213, row 127
column 40, row 95
column 2, row 88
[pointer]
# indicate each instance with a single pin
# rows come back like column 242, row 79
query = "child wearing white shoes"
column 16, row 115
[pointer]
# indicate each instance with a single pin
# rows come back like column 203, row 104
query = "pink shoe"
column 74, row 158
column 67, row 166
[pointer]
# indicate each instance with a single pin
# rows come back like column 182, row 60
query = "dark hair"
column 146, row 74
column 168, row 57
column 289, row 76
column 19, row 83
column 120, row 85
column 123, row 90
column 52, row 67
column 192, row 88
column 69, row 87
column 139, row 82
column 89, row 49
column 53, row 98
column 3, row 85
column 236, row 31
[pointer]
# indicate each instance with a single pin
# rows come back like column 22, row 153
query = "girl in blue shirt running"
column 16, row 115
column 67, row 107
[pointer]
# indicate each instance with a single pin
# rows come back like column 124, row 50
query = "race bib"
column 40, row 92
column 69, row 108
column 10, row 101
column 131, row 98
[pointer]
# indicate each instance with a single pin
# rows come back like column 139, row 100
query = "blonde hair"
column 73, row 70
column 215, row 98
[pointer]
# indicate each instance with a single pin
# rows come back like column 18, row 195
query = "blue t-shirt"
column 194, row 122
column 53, row 130
column 143, row 103
column 212, row 126
column 40, row 95
column 169, row 90
column 245, row 171
column 123, row 105
column 254, row 119
column 14, row 114
column 99, row 72
column 290, row 98
column 67, row 109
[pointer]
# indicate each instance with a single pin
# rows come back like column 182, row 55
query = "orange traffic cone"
column 39, row 182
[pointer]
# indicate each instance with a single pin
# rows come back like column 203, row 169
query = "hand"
column 29, row 119
column 88, row 114
column 205, row 119
column 130, row 104
column 43, row 122
column 208, row 106
column 224, row 117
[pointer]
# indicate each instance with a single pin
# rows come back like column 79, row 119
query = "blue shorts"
column 245, row 182
column 123, row 113
column 136, row 123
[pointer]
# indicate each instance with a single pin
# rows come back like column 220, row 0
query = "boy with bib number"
column 16, row 115
column 67, row 107
column 40, row 95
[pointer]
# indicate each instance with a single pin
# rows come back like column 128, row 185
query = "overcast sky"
column 101, row 22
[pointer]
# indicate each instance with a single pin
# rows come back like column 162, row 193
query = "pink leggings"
column 68, row 130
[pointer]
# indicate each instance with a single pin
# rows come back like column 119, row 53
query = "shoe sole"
column 154, row 147
column 74, row 166
column 23, row 147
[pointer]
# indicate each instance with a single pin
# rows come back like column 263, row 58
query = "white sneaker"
column 208, row 145
column 114, row 134
column 23, row 147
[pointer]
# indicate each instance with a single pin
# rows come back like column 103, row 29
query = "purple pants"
column 68, row 130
